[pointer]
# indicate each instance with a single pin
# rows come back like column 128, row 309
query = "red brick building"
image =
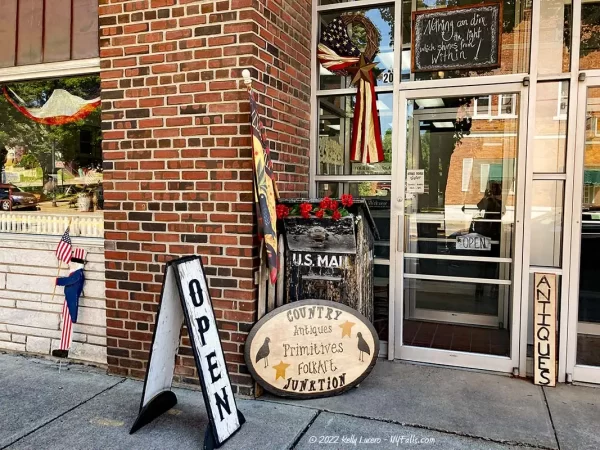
column 177, row 156
column 166, row 162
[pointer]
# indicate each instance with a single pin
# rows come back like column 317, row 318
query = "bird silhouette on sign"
column 263, row 352
column 363, row 347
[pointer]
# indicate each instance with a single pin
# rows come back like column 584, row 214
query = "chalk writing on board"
column 457, row 38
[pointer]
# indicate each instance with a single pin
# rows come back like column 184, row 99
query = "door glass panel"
column 550, row 139
column 546, row 222
column 459, row 221
column 588, row 338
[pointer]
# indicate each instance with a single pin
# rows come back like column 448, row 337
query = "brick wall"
column 177, row 155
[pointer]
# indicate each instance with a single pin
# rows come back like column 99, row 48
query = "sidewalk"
column 402, row 405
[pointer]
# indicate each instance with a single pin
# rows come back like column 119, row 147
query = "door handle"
column 398, row 236
column 402, row 234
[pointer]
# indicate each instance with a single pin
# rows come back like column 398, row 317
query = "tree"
column 40, row 140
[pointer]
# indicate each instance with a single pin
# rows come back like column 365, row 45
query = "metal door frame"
column 579, row 372
column 445, row 357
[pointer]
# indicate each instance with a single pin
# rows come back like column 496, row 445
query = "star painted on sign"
column 280, row 370
column 346, row 328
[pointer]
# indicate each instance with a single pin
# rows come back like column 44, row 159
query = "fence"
column 52, row 224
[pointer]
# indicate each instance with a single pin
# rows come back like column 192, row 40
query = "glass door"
column 584, row 298
column 459, row 223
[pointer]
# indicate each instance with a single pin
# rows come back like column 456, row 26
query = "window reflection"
column 335, row 133
column 589, row 50
column 50, row 168
column 555, row 37
column 383, row 19
column 550, row 139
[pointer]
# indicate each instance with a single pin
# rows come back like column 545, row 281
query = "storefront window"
column 555, row 37
column 382, row 18
column 514, row 40
column 589, row 50
column 335, row 134
column 50, row 137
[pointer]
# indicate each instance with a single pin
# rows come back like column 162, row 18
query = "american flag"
column 64, row 248
column 67, row 328
column 336, row 50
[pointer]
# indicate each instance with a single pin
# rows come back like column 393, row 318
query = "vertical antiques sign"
column 544, row 322
column 185, row 297
column 465, row 37
column 311, row 348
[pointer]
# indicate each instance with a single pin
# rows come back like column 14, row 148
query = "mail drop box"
column 328, row 259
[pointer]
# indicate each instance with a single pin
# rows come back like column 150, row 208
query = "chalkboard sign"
column 466, row 37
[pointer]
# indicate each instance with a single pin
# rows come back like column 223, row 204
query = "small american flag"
column 64, row 248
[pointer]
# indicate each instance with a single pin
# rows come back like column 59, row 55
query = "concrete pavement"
column 398, row 405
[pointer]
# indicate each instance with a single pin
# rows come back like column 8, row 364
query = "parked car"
column 12, row 196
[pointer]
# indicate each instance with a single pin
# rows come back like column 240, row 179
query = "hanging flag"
column 339, row 54
column 265, row 189
column 60, row 109
column 64, row 248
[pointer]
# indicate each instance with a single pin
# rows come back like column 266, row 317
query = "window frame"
column 513, row 104
column 476, row 114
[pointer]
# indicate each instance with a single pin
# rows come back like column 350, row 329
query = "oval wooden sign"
column 311, row 348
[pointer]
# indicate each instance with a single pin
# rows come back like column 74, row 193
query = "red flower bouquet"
column 327, row 208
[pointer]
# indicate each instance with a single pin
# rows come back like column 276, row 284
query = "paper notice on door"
column 415, row 181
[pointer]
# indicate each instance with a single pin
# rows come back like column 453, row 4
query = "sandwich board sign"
column 185, row 296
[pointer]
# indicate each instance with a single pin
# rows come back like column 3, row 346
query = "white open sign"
column 473, row 241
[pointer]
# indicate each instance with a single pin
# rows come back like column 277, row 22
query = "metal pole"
column 54, row 180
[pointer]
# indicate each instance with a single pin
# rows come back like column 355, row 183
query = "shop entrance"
column 459, row 208
column 584, row 294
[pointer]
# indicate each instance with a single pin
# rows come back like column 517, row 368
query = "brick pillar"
column 178, row 169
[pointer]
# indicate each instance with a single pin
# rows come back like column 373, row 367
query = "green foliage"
column 40, row 140
column 28, row 161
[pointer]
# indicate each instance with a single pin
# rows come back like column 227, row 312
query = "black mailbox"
column 330, row 260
